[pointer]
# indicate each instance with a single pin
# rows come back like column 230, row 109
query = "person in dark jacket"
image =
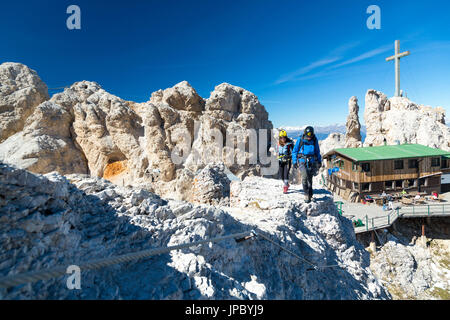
column 284, row 151
column 306, row 156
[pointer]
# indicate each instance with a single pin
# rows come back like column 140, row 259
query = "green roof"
column 391, row 152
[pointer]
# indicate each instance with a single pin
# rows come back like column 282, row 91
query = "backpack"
column 302, row 142
column 289, row 147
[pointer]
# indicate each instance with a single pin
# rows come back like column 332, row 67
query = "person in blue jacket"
column 306, row 156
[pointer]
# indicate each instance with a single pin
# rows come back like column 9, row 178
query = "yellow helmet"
column 283, row 133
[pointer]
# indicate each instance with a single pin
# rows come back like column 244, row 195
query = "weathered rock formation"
column 107, row 130
column 333, row 141
column 353, row 127
column 21, row 91
column 160, row 144
column 407, row 268
column 45, row 144
column 230, row 112
column 399, row 120
column 352, row 136
column 211, row 185
column 50, row 221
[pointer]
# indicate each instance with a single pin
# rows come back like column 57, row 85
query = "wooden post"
column 423, row 229
column 423, row 238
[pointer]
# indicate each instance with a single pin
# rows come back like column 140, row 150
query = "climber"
column 285, row 146
column 307, row 152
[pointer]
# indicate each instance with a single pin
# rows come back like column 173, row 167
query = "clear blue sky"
column 304, row 59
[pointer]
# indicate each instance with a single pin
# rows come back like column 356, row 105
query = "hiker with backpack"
column 285, row 146
column 306, row 157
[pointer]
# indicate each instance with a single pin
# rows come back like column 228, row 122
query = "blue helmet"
column 309, row 131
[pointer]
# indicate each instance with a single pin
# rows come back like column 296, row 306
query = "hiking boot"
column 308, row 199
column 285, row 189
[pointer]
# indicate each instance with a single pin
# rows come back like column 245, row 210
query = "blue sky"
column 304, row 59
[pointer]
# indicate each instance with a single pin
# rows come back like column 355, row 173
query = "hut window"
column 444, row 163
column 398, row 184
column 355, row 166
column 398, row 164
column 365, row 167
column 365, row 187
column 436, row 162
column 413, row 164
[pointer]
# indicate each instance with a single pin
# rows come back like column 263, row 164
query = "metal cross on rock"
column 397, row 57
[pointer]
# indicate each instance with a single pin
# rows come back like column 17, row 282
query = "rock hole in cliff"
column 114, row 169
column 117, row 164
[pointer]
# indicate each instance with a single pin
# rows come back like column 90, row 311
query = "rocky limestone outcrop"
column 224, row 127
column 106, row 129
column 45, row 144
column 333, row 141
column 50, row 220
column 399, row 120
column 181, row 97
column 160, row 144
column 353, row 127
column 411, row 271
column 21, row 91
column 408, row 268
column 211, row 185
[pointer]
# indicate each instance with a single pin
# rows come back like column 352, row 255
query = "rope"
column 30, row 277
column 14, row 280
column 293, row 253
